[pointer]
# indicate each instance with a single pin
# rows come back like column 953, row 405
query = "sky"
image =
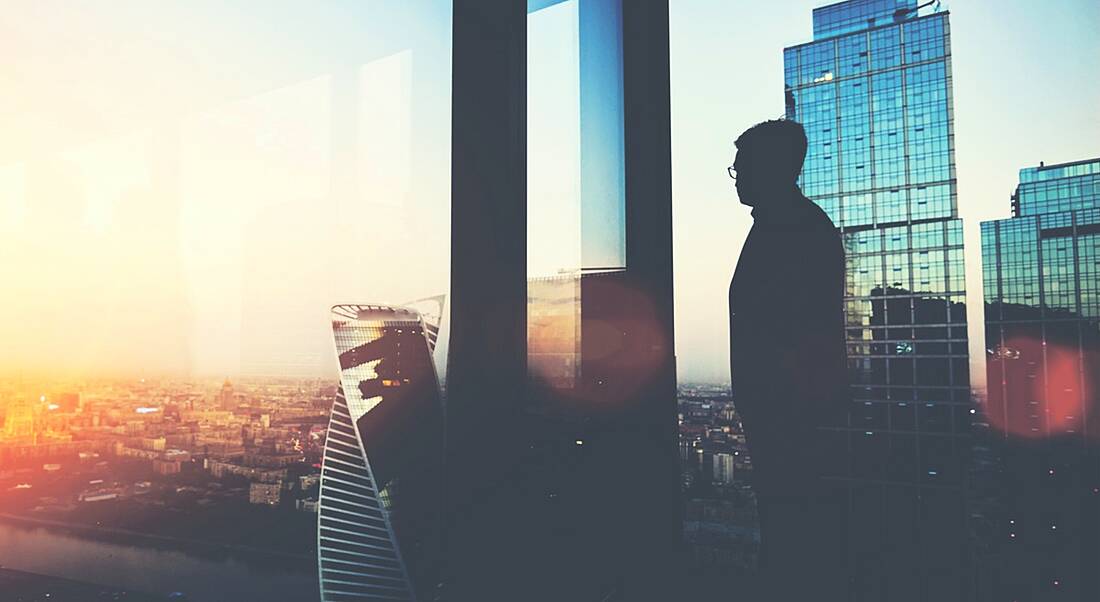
column 1024, row 91
column 187, row 187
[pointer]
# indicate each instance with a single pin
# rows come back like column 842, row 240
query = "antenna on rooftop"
column 902, row 14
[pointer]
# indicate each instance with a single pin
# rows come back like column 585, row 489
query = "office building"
column 1042, row 294
column 874, row 92
column 1041, row 272
column 379, row 503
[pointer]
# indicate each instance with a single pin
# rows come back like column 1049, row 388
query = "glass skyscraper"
column 873, row 90
column 1041, row 272
column 380, row 498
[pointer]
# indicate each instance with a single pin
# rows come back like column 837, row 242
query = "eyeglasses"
column 732, row 171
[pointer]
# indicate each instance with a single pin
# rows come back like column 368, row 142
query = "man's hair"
column 779, row 140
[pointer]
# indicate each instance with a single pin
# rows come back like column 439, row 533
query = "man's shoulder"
column 816, row 216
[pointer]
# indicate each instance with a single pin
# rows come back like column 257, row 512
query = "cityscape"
column 221, row 468
column 213, row 467
column 406, row 452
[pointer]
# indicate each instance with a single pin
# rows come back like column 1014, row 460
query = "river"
column 157, row 567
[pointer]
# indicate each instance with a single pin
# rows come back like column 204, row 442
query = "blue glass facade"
column 1058, row 188
column 874, row 93
column 876, row 106
column 1041, row 273
column 856, row 15
column 1041, row 276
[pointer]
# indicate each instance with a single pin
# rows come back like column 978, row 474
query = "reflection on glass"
column 1043, row 367
column 553, row 330
column 232, row 175
column 873, row 91
column 1041, row 309
column 189, row 203
column 575, row 175
column 378, row 525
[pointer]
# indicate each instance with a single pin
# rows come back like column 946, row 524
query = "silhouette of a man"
column 788, row 365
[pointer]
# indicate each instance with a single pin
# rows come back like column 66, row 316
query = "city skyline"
column 717, row 47
column 211, row 279
column 129, row 464
column 232, row 248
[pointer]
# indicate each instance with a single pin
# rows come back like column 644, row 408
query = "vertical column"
column 487, row 359
column 648, row 159
column 488, row 356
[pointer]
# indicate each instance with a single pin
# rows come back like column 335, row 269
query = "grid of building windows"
column 1041, row 275
column 905, row 300
column 877, row 110
column 876, row 107
column 1058, row 188
column 873, row 91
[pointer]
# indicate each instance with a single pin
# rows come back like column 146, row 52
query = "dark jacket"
column 787, row 355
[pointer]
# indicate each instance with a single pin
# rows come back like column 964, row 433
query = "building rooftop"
column 1043, row 172
column 855, row 15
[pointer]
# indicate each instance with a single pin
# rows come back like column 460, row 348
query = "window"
column 207, row 183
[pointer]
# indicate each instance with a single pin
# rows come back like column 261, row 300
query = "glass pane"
column 575, row 177
column 553, row 141
column 193, row 186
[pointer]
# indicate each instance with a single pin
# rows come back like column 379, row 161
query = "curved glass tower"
column 379, row 502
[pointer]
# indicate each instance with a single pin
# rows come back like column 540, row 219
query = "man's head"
column 769, row 159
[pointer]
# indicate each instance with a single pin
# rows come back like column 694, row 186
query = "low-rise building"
column 264, row 475
column 264, row 493
column 166, row 467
